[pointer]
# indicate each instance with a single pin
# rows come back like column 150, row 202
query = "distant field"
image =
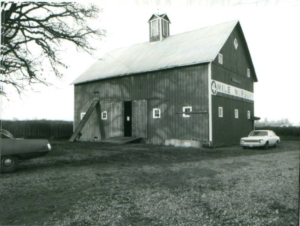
column 137, row 184
column 64, row 129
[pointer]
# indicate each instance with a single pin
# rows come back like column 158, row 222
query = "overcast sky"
column 271, row 29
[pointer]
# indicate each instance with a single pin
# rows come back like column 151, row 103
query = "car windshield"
column 5, row 134
column 258, row 134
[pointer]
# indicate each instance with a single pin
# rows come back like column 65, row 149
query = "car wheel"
column 9, row 164
column 267, row 145
column 244, row 147
column 276, row 144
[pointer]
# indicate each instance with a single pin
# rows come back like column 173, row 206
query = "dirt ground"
column 138, row 184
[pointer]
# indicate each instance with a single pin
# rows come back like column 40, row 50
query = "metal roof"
column 189, row 48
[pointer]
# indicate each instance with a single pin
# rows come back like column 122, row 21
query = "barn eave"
column 141, row 72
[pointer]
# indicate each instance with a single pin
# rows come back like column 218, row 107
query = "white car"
column 260, row 138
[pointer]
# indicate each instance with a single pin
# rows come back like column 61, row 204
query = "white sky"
column 271, row 30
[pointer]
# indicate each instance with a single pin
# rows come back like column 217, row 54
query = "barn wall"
column 228, row 130
column 169, row 90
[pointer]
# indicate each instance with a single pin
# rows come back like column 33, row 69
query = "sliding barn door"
column 117, row 123
column 139, row 118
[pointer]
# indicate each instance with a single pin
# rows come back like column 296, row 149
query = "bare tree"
column 32, row 33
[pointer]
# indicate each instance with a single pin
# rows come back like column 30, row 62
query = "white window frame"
column 102, row 115
column 236, row 113
column 152, row 35
column 220, row 58
column 220, row 112
column 248, row 73
column 183, row 110
column 159, row 113
column 82, row 114
column 248, row 114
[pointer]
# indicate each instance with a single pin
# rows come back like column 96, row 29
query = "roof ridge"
column 194, row 47
column 237, row 21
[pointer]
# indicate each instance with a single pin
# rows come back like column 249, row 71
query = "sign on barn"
column 219, row 87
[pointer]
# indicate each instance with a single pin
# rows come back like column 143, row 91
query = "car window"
column 258, row 133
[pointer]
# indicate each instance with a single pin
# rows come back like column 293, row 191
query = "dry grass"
column 100, row 184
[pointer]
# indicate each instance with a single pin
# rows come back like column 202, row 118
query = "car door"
column 272, row 138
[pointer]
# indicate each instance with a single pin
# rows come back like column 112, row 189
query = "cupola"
column 159, row 27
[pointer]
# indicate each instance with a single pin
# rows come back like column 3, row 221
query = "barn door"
column 127, row 119
column 117, row 125
column 139, row 118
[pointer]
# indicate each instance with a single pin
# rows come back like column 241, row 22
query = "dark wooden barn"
column 194, row 88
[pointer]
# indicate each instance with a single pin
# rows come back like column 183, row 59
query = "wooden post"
column 84, row 120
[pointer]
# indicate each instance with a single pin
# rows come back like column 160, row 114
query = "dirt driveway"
column 137, row 184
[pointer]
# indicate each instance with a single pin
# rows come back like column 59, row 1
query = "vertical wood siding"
column 228, row 130
column 169, row 90
column 116, row 119
column 236, row 61
column 139, row 118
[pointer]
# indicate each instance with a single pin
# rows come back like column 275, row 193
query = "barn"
column 191, row 89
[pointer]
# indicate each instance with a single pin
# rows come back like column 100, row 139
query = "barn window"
column 236, row 113
column 154, row 28
column 220, row 112
column 186, row 109
column 82, row 114
column 104, row 115
column 220, row 58
column 165, row 28
column 248, row 114
column 236, row 44
column 156, row 113
column 248, row 73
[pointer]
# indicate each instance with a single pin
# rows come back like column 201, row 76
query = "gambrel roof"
column 185, row 49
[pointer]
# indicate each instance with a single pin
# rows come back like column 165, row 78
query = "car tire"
column 266, row 145
column 9, row 164
column 276, row 144
column 244, row 147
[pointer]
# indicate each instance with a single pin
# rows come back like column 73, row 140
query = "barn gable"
column 192, row 48
column 236, row 54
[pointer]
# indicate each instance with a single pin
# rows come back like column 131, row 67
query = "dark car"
column 14, row 150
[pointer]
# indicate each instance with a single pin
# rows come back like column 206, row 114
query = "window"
column 248, row 73
column 220, row 58
column 187, row 109
column 236, row 113
column 248, row 114
column 82, row 114
column 104, row 115
column 236, row 44
column 220, row 112
column 156, row 113
column 154, row 28
column 165, row 28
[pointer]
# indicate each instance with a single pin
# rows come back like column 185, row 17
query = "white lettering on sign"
column 219, row 87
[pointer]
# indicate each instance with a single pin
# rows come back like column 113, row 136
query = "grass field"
column 137, row 184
